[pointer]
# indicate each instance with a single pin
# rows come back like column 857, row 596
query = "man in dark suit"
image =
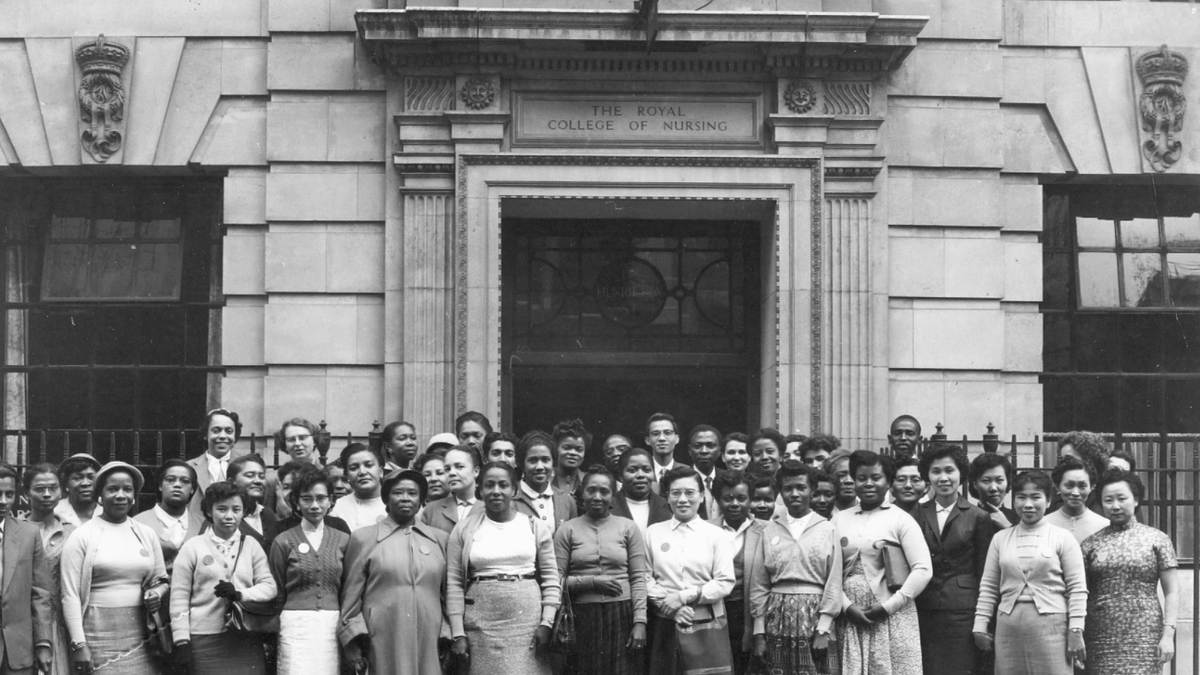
column 24, row 589
column 704, row 444
column 958, row 534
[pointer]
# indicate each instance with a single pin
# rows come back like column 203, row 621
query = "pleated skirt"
column 500, row 622
column 602, row 632
column 228, row 654
column 116, row 637
column 308, row 642
column 791, row 619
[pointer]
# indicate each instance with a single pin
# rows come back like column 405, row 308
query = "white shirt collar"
column 677, row 523
column 470, row 501
column 944, row 509
column 801, row 522
column 741, row 528
column 525, row 488
column 306, row 527
column 167, row 519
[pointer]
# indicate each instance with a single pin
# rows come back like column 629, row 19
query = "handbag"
column 895, row 565
column 562, row 635
column 249, row 616
column 704, row 647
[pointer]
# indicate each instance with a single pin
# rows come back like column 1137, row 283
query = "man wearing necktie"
column 24, row 589
column 703, row 445
column 662, row 437
column 221, row 431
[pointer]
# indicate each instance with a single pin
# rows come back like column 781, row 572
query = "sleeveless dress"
column 1124, row 617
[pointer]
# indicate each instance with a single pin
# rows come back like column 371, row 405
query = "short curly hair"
column 1069, row 463
column 1114, row 476
column 942, row 451
column 1092, row 448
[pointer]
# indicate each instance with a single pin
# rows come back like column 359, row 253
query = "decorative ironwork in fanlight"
column 101, row 96
column 1162, row 105
column 610, row 286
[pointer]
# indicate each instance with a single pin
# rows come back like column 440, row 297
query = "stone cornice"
column 884, row 39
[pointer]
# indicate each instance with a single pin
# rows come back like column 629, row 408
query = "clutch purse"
column 895, row 565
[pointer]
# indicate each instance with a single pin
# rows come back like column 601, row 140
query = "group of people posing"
column 488, row 553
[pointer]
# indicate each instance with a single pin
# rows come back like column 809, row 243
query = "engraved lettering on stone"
column 428, row 94
column 1162, row 105
column 101, row 96
column 478, row 93
column 799, row 97
column 847, row 98
column 640, row 120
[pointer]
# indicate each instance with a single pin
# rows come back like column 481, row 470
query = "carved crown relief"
column 1162, row 105
column 102, row 96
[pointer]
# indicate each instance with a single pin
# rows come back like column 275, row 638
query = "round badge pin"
column 424, row 549
column 774, row 541
column 304, row 548
column 665, row 547
column 144, row 553
column 845, row 542
column 207, row 560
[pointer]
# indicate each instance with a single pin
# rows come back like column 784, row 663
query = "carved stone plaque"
column 637, row 120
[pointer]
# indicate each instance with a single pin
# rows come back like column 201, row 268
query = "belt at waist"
column 504, row 577
column 796, row 588
column 1025, row 598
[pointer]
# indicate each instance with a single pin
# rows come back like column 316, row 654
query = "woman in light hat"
column 112, row 575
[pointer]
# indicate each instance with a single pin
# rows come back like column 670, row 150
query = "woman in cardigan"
column 731, row 492
column 307, row 563
column 497, row 558
column 636, row 499
column 42, row 489
column 216, row 568
column 112, row 574
column 1128, row 631
column 603, row 559
column 691, row 563
column 880, row 633
column 394, row 586
column 796, row 581
column 958, row 534
column 1034, row 576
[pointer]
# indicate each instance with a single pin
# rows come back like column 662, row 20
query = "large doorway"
column 611, row 320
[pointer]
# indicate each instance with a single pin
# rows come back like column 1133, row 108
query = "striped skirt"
column 116, row 637
column 602, row 631
column 790, row 621
column 500, row 621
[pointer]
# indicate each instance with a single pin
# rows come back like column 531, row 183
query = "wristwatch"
column 76, row 646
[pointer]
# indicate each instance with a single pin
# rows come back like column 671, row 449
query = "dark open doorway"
column 611, row 320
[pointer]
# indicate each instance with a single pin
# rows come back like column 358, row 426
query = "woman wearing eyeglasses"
column 307, row 563
column 691, row 565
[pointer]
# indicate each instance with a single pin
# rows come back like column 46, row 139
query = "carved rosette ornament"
column 1162, row 105
column 799, row 97
column 478, row 93
column 101, row 96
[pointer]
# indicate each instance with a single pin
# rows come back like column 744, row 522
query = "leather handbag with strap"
column 249, row 616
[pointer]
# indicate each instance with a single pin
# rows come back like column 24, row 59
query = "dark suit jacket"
column 958, row 552
column 659, row 511
column 195, row 525
column 24, row 595
column 443, row 513
column 565, row 507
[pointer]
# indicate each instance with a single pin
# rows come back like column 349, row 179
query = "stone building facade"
column 837, row 209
